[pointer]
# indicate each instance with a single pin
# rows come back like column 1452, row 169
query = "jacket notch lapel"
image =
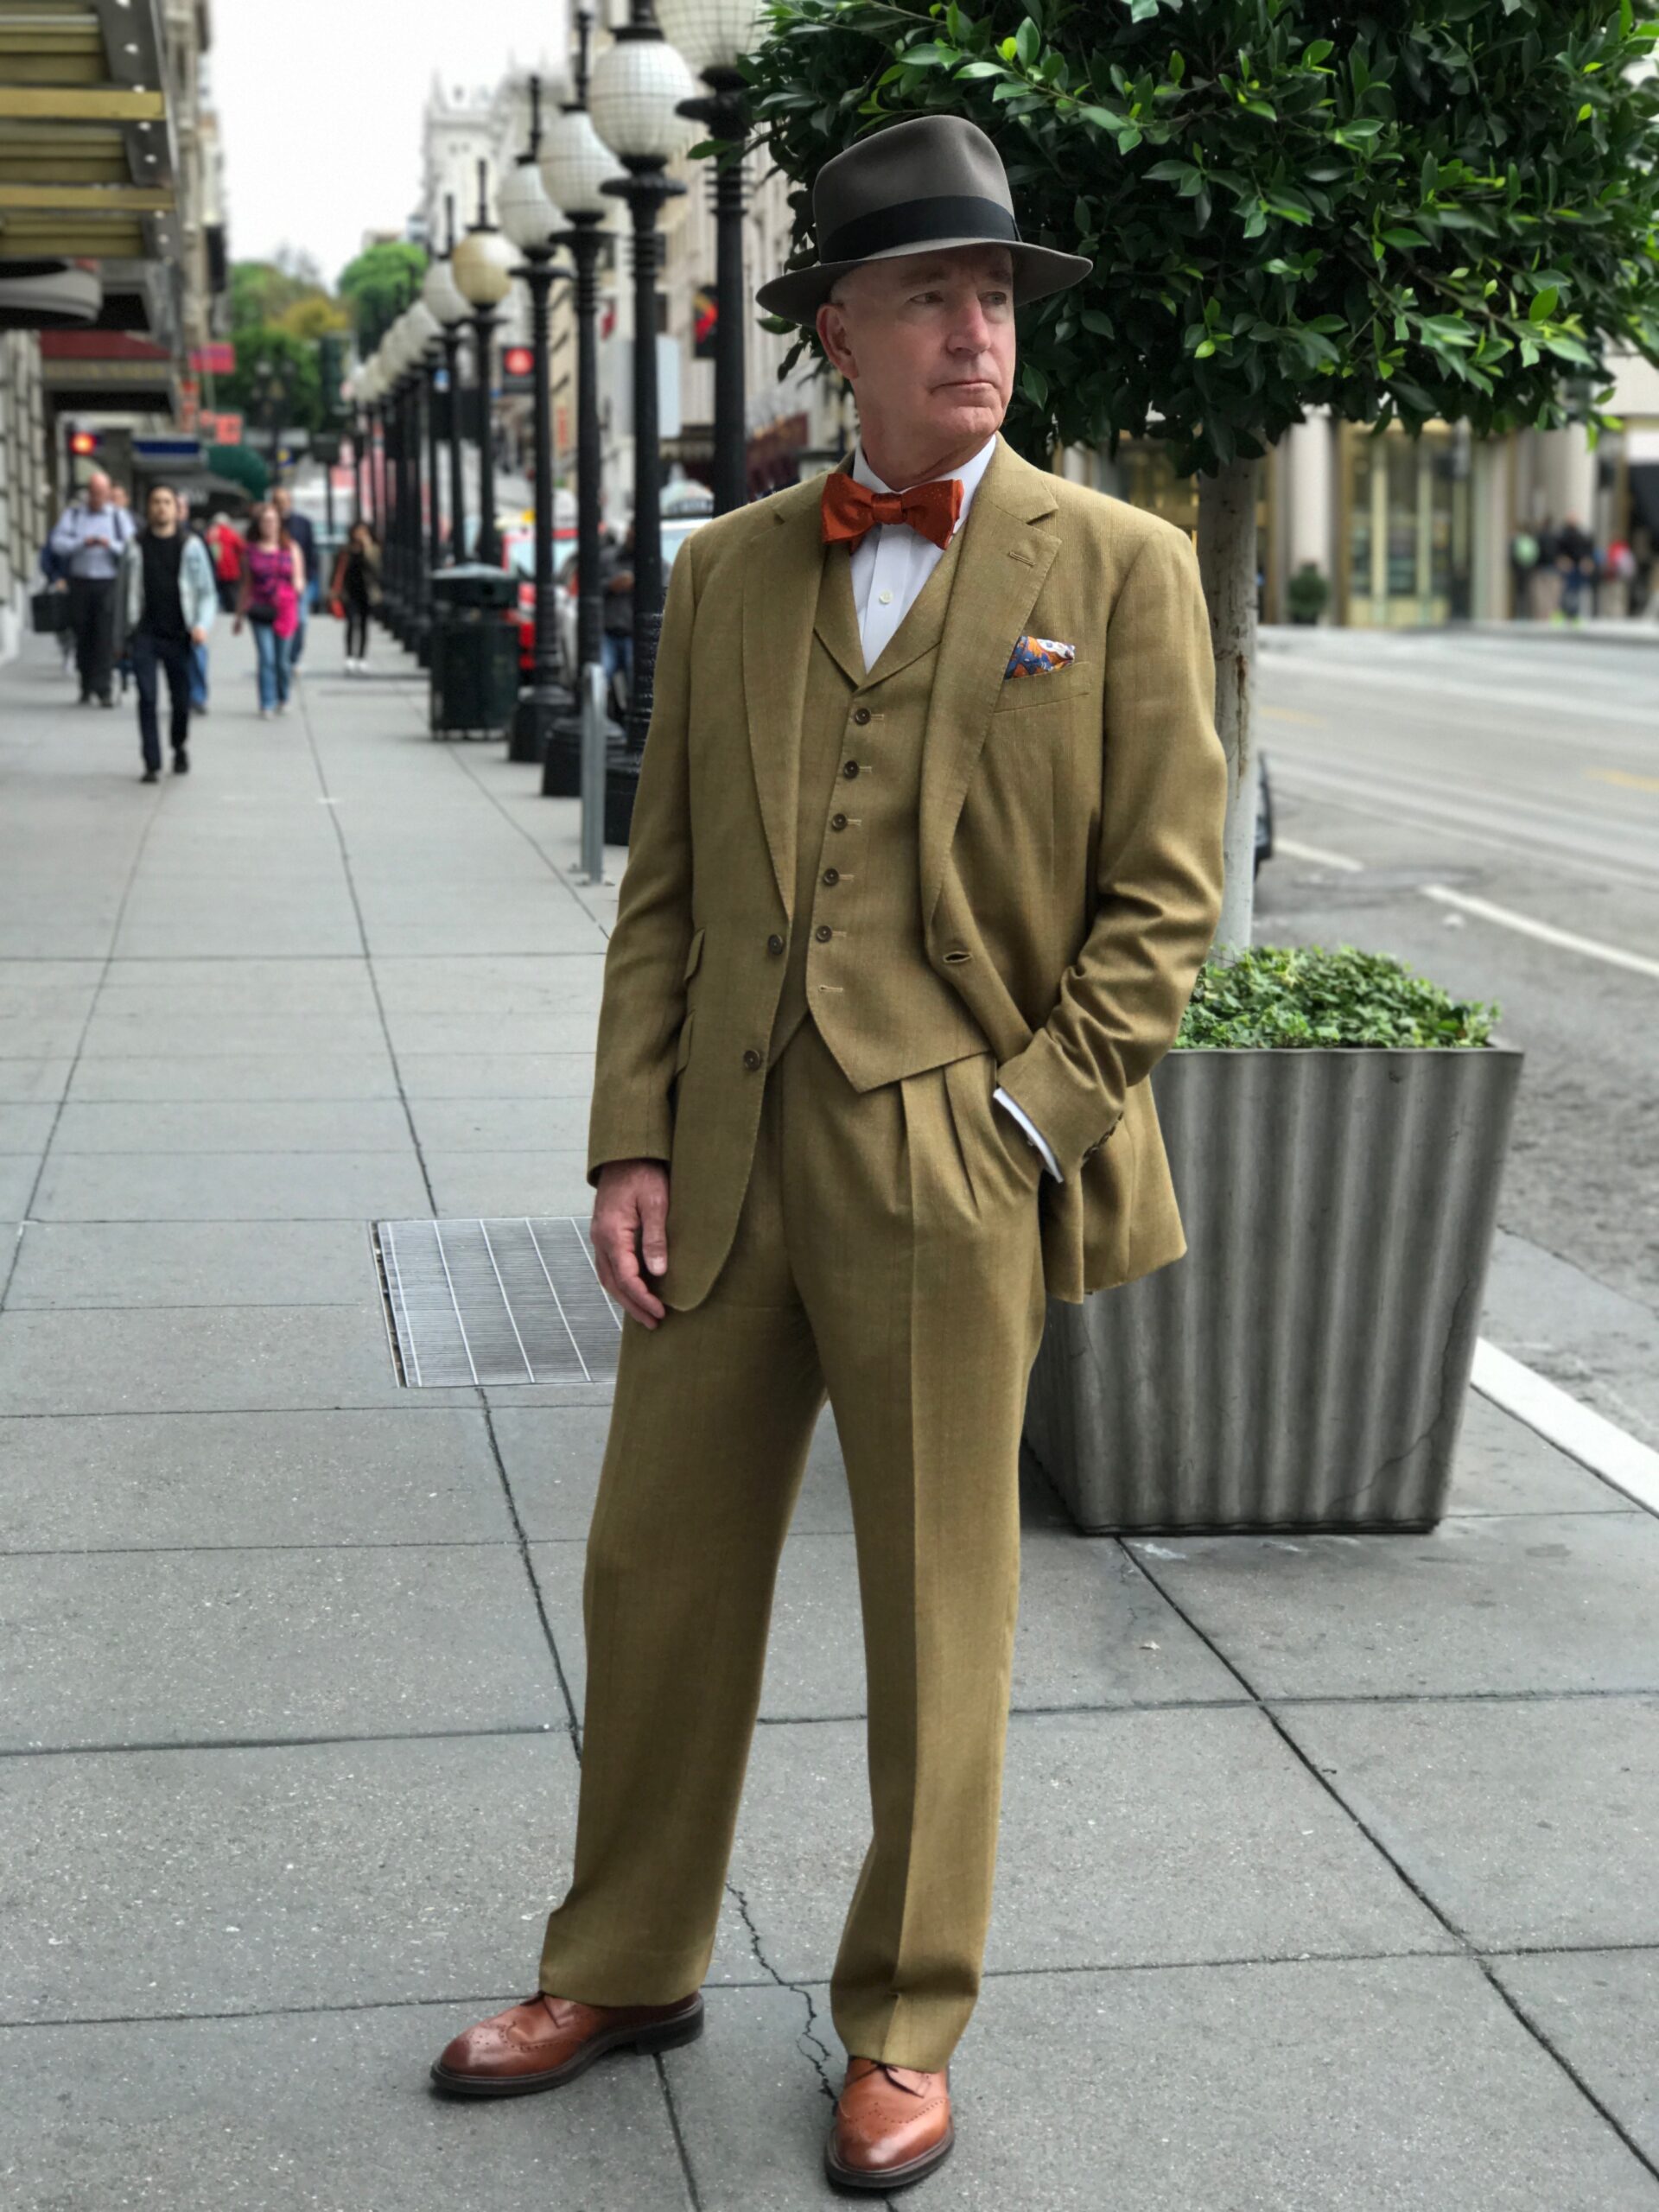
column 1003, row 563
column 781, row 576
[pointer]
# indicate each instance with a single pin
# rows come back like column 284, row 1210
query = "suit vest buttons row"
column 751, row 1059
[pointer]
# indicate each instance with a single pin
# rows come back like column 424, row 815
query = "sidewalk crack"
column 809, row 2042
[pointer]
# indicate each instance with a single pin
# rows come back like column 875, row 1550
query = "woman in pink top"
column 273, row 576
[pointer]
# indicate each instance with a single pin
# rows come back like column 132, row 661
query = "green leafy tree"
column 1393, row 212
column 276, row 383
column 376, row 287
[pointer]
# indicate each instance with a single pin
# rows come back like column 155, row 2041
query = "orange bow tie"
column 851, row 510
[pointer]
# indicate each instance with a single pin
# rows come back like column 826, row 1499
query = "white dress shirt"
column 890, row 564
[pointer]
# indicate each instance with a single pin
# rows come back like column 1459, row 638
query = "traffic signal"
column 82, row 443
column 331, row 368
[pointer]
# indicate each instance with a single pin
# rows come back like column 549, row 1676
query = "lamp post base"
column 562, row 762
column 621, row 788
column 540, row 709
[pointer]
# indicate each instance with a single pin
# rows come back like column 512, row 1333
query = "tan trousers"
column 887, row 1249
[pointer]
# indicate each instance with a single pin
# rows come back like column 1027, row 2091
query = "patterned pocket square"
column 1038, row 656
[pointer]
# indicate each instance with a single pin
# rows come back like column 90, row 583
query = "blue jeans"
column 616, row 647
column 198, row 679
column 276, row 660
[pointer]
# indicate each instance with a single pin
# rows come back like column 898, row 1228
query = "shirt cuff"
column 1033, row 1134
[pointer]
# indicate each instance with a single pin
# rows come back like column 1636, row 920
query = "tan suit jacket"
column 1070, row 847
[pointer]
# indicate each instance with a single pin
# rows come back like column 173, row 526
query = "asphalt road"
column 1487, row 807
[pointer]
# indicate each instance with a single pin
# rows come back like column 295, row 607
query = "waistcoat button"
column 837, row 822
column 849, row 769
column 774, row 944
column 832, row 875
column 751, row 1058
column 860, row 716
column 823, row 933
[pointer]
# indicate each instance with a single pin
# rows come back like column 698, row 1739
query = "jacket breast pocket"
column 1078, row 685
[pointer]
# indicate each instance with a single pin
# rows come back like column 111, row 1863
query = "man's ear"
column 832, row 335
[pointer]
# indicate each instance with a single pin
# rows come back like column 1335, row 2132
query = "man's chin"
column 971, row 418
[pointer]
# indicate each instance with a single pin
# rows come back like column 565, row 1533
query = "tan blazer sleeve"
column 1159, row 881
column 644, row 1000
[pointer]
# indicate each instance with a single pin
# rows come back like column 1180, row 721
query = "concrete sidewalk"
column 1327, row 1874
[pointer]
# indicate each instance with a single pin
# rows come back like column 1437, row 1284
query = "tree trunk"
column 1227, row 565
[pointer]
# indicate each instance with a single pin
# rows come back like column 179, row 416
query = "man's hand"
column 630, row 1225
column 198, row 636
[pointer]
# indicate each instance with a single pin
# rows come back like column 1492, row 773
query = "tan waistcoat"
column 857, row 960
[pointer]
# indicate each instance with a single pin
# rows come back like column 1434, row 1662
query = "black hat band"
column 913, row 222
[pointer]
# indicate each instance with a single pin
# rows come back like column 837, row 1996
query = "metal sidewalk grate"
column 496, row 1301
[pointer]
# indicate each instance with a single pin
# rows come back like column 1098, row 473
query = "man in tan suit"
column 926, row 854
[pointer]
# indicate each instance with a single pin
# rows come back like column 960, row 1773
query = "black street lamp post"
column 638, row 83
column 575, row 166
column 482, row 266
column 532, row 221
column 450, row 312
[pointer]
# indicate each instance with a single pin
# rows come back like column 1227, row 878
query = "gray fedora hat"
column 934, row 181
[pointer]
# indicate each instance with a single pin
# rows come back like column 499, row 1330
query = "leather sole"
column 647, row 2036
column 876, row 2183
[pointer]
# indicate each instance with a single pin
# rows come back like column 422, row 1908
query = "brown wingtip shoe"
column 892, row 2126
column 547, row 2041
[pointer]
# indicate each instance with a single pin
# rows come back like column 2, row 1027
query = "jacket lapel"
column 1001, row 567
column 781, row 574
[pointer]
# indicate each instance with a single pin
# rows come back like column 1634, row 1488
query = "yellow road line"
column 1293, row 715
column 1624, row 776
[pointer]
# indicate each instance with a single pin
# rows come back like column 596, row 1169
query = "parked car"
column 518, row 555
column 1263, row 813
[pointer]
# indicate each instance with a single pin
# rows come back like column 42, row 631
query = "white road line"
column 1317, row 854
column 1586, row 1436
column 1593, row 948
column 1506, row 917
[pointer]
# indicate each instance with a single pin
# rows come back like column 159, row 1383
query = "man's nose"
column 971, row 331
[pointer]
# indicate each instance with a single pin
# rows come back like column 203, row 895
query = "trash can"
column 474, row 668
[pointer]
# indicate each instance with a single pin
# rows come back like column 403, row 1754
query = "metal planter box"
column 1305, row 1365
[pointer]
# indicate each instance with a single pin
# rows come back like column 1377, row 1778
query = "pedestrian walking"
column 298, row 527
column 165, row 606
column 92, row 534
column 915, row 900
column 1524, row 555
column 1575, row 560
column 616, row 587
column 355, row 589
column 198, row 647
column 273, row 578
column 226, row 543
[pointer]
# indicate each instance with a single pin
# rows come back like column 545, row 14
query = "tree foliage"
column 1445, row 209
column 377, row 286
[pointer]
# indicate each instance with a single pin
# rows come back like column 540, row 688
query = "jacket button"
column 774, row 944
column 751, row 1058
column 849, row 769
column 837, row 822
column 832, row 875
column 860, row 716
column 823, row 933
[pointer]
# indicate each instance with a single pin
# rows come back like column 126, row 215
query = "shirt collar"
column 969, row 474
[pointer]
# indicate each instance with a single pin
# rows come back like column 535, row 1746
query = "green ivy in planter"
column 1275, row 996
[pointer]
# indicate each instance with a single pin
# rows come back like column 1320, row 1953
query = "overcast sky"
column 319, row 105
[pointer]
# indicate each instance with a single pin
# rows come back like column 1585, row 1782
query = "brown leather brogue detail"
column 547, row 2041
column 892, row 2126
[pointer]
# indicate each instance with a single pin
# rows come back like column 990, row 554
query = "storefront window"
column 1405, row 504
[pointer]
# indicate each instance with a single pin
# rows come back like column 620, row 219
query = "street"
column 1522, row 772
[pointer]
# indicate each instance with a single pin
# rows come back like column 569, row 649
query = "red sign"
column 518, row 361
column 218, row 360
column 220, row 429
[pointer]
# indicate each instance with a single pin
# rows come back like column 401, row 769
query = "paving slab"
column 270, row 1645
column 499, row 1125
column 163, row 925
column 155, row 1359
column 273, row 1126
column 1538, row 1602
column 28, row 1036
column 24, row 1083
column 509, row 984
column 149, row 1882
column 229, row 1036
column 417, row 1472
column 379, row 1185
column 453, row 1034
column 553, row 1459
column 1527, row 1823
column 19, row 1173
column 753, row 2102
column 1503, row 1466
column 194, row 1263
column 325, row 2109
column 239, row 984
column 217, row 1078
column 1092, row 1631
column 539, row 1076
column 485, row 1185
column 1366, row 2086
column 26, row 1129
column 1129, row 1839
column 1600, row 2011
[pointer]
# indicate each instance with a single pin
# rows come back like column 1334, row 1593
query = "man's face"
column 97, row 491
column 285, row 500
column 162, row 509
column 927, row 343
